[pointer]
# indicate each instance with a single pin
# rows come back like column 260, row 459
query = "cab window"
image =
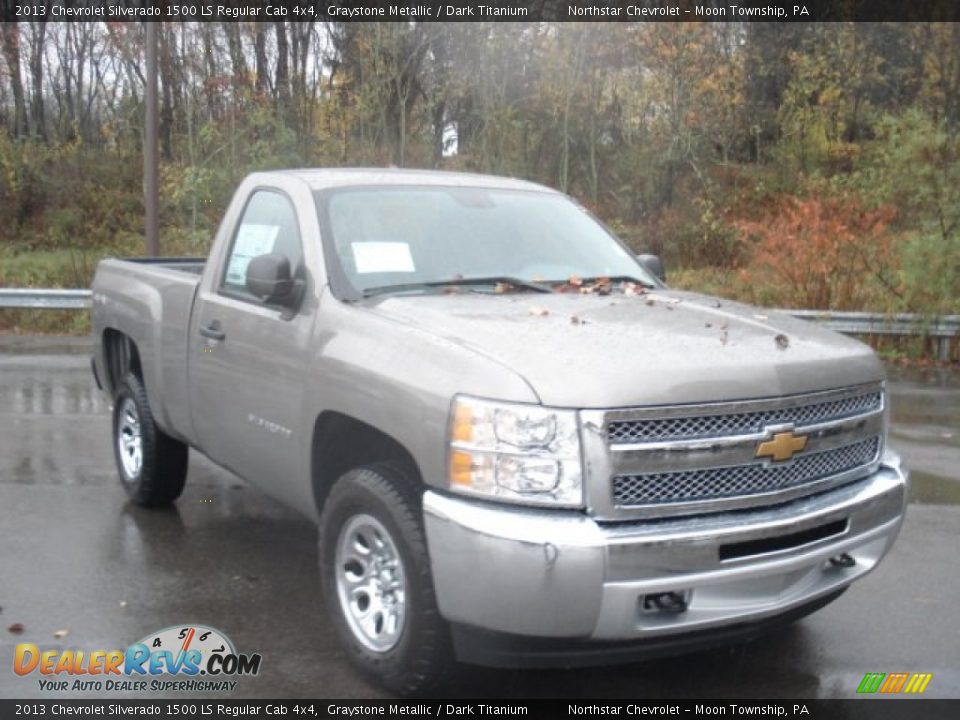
column 268, row 225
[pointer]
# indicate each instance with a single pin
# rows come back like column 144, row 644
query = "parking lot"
column 76, row 557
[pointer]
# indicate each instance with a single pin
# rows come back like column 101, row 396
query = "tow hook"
column 672, row 603
column 845, row 560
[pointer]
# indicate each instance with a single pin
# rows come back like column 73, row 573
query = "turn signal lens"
column 522, row 453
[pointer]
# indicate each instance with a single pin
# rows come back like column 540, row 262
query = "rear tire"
column 377, row 584
column 151, row 464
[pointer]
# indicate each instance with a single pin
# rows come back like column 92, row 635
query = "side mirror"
column 269, row 278
column 654, row 265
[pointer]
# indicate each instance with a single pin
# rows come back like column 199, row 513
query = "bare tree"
column 11, row 52
column 260, row 52
column 38, row 33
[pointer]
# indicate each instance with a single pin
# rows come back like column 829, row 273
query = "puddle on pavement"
column 947, row 378
column 35, row 396
column 927, row 489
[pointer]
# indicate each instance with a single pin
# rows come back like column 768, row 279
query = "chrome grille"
column 691, row 427
column 741, row 480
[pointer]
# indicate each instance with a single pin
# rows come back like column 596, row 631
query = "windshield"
column 424, row 237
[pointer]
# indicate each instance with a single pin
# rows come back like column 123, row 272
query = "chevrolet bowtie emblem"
column 782, row 447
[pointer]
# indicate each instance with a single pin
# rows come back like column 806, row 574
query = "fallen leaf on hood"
column 574, row 320
column 16, row 628
column 539, row 311
column 782, row 341
column 58, row 634
column 665, row 299
column 709, row 325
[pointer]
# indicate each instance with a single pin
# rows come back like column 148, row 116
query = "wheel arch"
column 342, row 442
column 120, row 356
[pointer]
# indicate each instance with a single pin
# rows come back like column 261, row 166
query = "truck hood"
column 663, row 347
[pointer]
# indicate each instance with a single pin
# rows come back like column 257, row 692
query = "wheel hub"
column 129, row 440
column 371, row 583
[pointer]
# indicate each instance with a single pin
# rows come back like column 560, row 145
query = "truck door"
column 247, row 359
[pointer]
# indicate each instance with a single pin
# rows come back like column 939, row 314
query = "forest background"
column 790, row 165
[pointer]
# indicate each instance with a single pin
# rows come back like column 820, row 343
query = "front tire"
column 151, row 464
column 376, row 579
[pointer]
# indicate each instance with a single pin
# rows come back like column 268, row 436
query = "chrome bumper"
column 555, row 574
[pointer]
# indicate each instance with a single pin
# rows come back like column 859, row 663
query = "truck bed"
column 150, row 301
column 192, row 265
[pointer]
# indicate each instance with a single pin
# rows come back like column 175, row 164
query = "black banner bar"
column 865, row 709
column 483, row 10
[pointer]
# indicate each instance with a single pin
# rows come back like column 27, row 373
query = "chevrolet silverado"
column 520, row 446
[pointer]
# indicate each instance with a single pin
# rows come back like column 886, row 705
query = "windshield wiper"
column 617, row 279
column 512, row 282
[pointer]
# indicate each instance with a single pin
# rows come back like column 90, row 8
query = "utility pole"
column 150, row 145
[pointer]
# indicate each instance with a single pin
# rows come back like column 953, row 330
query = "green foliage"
column 930, row 275
column 63, row 195
column 712, row 281
column 710, row 240
column 914, row 165
column 46, row 268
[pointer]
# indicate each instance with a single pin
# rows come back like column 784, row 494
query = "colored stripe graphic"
column 918, row 682
column 871, row 682
column 893, row 683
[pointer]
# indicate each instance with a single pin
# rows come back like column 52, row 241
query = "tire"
column 372, row 517
column 151, row 464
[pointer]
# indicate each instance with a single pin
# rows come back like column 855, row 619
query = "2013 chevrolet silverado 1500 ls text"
column 521, row 447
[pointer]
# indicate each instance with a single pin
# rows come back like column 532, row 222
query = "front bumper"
column 556, row 574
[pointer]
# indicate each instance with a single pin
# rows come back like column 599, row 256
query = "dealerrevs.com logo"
column 179, row 658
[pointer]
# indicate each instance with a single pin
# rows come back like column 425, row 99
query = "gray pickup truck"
column 521, row 448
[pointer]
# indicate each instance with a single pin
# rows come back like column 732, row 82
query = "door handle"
column 213, row 331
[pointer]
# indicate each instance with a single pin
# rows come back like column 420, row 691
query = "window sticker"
column 377, row 257
column 252, row 240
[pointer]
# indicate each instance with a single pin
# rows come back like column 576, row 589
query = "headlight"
column 524, row 453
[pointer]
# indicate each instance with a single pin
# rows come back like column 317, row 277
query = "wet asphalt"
column 75, row 556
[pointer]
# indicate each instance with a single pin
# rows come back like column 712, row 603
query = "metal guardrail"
column 880, row 324
column 56, row 299
column 943, row 328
